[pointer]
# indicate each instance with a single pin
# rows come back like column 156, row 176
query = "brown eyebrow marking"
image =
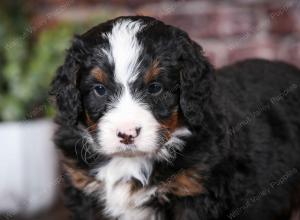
column 152, row 72
column 99, row 74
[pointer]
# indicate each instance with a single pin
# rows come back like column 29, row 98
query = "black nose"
column 128, row 138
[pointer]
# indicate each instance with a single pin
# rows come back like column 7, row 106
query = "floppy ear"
column 64, row 85
column 197, row 81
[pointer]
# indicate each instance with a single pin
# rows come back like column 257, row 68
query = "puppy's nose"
column 128, row 135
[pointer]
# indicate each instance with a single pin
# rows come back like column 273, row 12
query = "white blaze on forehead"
column 128, row 112
column 124, row 50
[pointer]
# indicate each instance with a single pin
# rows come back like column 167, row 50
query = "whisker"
column 89, row 127
column 76, row 144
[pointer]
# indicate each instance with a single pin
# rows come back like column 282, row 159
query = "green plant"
column 13, row 56
column 28, row 61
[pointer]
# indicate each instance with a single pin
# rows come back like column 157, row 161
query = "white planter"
column 28, row 166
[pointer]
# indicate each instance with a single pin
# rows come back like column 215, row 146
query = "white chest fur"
column 117, row 196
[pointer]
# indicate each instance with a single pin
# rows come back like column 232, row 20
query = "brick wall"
column 240, row 29
column 227, row 30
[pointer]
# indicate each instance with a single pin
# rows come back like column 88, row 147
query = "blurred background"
column 34, row 35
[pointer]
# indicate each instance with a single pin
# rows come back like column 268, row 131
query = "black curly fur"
column 245, row 123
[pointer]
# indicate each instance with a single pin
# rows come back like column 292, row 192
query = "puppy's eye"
column 100, row 90
column 155, row 88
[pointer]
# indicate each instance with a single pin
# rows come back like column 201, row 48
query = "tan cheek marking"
column 171, row 124
column 186, row 183
column 92, row 126
column 99, row 74
column 152, row 72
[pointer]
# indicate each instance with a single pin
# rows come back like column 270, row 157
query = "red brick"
column 289, row 51
column 284, row 17
column 204, row 19
column 297, row 20
column 235, row 21
column 283, row 24
column 215, row 50
column 262, row 48
column 132, row 3
column 45, row 4
column 227, row 31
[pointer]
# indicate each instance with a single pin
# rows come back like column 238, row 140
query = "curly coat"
column 242, row 158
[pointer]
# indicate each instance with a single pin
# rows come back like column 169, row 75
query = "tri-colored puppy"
column 149, row 130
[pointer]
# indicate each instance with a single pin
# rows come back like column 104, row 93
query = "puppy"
column 149, row 130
